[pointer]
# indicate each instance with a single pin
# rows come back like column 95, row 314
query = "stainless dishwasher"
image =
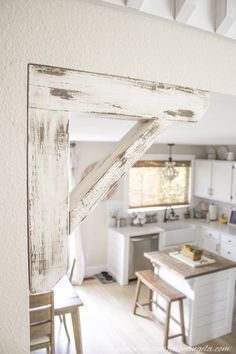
column 138, row 246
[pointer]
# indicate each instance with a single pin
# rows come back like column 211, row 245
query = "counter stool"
column 169, row 293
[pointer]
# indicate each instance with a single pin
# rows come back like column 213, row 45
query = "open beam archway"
column 52, row 94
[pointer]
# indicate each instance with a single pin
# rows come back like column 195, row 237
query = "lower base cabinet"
column 210, row 240
column 228, row 246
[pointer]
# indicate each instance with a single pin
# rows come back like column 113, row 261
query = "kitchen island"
column 209, row 289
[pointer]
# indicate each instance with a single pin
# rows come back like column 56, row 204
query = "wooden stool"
column 169, row 293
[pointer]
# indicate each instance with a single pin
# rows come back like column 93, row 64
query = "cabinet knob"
column 229, row 240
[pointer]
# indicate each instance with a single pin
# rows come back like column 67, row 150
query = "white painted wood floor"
column 109, row 327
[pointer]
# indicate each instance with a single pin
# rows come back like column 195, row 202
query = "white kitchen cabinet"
column 228, row 252
column 221, row 181
column 213, row 180
column 233, row 193
column 117, row 256
column 202, row 178
column 228, row 246
column 210, row 240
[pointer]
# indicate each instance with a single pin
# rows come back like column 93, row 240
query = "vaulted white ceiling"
column 217, row 126
column 216, row 16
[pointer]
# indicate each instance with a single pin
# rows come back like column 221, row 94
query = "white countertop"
column 146, row 229
column 154, row 228
column 228, row 229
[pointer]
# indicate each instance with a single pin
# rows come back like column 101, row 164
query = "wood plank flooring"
column 109, row 327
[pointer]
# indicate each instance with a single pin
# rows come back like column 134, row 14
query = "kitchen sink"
column 172, row 225
column 177, row 232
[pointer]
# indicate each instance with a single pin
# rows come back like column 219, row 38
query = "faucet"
column 165, row 214
column 172, row 213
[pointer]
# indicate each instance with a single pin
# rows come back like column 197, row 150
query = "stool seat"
column 152, row 281
column 166, row 291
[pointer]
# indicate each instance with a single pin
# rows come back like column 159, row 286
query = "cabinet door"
column 210, row 240
column 228, row 252
column 209, row 244
column 233, row 199
column 202, row 180
column 221, row 181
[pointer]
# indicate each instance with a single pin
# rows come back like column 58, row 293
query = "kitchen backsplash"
column 116, row 210
column 222, row 208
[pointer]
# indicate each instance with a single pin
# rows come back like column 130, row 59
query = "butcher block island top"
column 163, row 258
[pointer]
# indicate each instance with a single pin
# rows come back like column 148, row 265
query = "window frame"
column 161, row 157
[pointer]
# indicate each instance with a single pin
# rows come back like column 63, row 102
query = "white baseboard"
column 90, row 271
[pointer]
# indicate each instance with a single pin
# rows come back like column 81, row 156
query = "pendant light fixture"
column 170, row 172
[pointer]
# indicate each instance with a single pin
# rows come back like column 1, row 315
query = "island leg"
column 181, row 313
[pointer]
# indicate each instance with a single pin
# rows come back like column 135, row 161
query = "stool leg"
column 138, row 288
column 65, row 326
column 150, row 299
column 181, row 313
column 167, row 325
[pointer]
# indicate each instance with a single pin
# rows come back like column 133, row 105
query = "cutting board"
column 204, row 261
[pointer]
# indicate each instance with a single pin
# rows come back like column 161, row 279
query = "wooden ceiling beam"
column 95, row 186
column 115, row 97
column 52, row 92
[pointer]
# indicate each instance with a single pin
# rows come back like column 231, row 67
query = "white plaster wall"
column 80, row 35
column 94, row 228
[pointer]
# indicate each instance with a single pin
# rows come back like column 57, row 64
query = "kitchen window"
column 149, row 188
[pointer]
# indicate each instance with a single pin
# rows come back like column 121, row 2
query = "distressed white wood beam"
column 52, row 93
column 104, row 177
column 184, row 10
column 225, row 15
column 48, row 159
column 135, row 4
column 112, row 96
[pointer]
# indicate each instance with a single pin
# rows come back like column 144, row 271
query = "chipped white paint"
column 47, row 197
column 225, row 15
column 101, row 179
column 184, row 10
column 113, row 96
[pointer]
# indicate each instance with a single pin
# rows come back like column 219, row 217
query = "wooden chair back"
column 42, row 321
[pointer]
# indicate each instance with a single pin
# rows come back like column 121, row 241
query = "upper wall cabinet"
column 221, row 183
column 233, row 193
column 202, row 180
column 214, row 180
